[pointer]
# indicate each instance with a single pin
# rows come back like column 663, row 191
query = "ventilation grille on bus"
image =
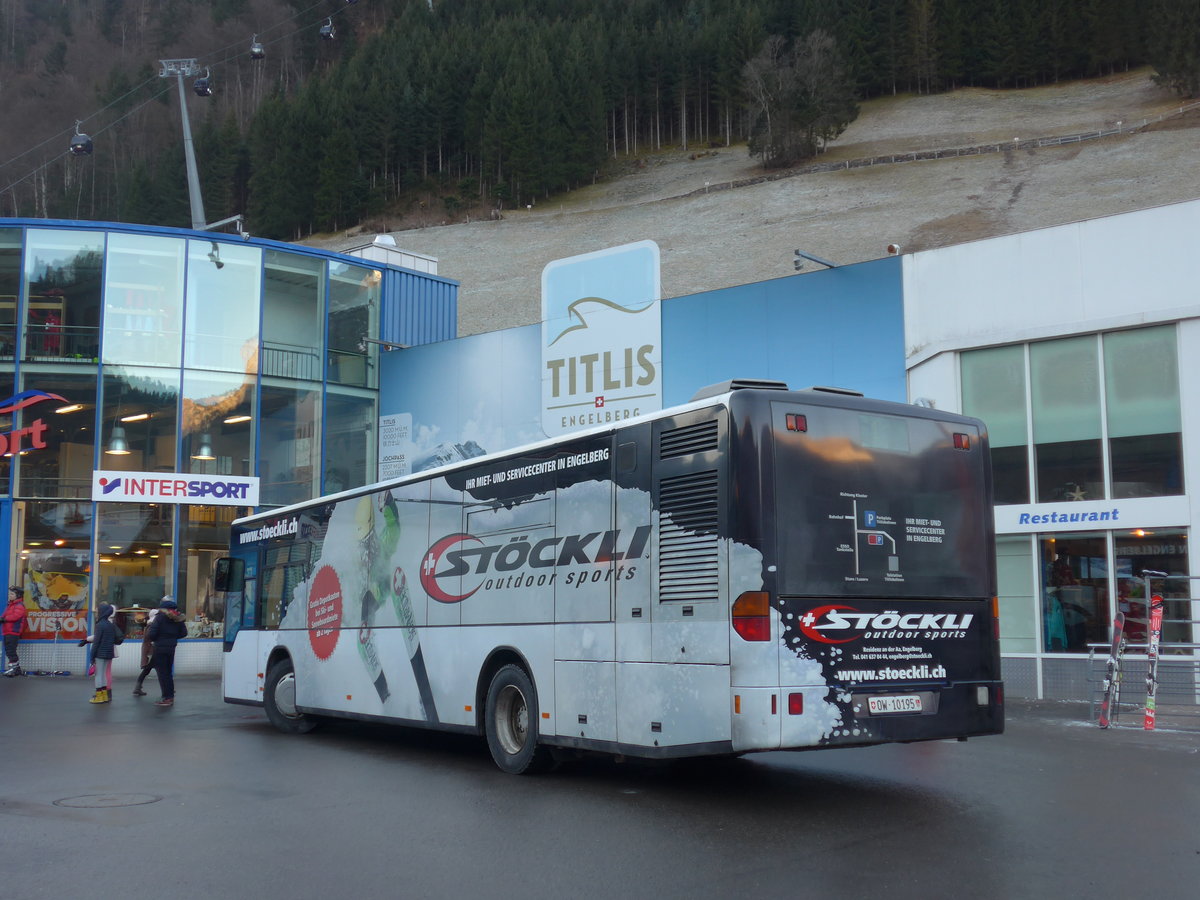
column 688, row 561
column 696, row 438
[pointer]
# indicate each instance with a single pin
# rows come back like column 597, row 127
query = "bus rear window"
column 880, row 506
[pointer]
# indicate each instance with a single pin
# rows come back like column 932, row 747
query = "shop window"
column 350, row 418
column 1010, row 474
column 293, row 326
column 143, row 300
column 1147, row 465
column 63, row 287
column 1069, row 470
column 138, row 419
column 134, row 553
column 1141, row 377
column 10, row 290
column 203, row 539
column 218, row 423
column 1065, row 386
column 1154, row 550
column 65, row 429
column 1018, row 627
column 223, row 284
column 993, row 389
column 1075, row 607
column 52, row 540
column 353, row 319
column 289, row 448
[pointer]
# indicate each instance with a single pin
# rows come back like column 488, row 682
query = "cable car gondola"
column 327, row 30
column 256, row 49
column 202, row 85
column 81, row 144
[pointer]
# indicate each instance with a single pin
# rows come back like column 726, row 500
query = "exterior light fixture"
column 117, row 445
column 136, row 417
column 206, row 450
column 801, row 256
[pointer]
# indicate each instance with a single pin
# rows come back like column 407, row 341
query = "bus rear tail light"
column 752, row 616
column 795, row 704
column 962, row 441
column 796, row 422
column 996, row 617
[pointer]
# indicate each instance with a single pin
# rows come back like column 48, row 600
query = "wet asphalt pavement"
column 206, row 800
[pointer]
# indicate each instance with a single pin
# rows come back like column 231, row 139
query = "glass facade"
column 1104, row 412
column 1088, row 420
column 161, row 354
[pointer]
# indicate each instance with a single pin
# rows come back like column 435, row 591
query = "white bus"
column 760, row 569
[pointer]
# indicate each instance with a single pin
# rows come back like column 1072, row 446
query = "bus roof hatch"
column 738, row 384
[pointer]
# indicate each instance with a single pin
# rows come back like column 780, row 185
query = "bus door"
column 234, row 582
column 691, row 500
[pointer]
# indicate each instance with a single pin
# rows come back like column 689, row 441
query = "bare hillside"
column 721, row 237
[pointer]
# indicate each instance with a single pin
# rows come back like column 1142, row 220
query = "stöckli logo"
column 838, row 624
column 511, row 564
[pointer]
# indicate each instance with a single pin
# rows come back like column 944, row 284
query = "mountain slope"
column 720, row 238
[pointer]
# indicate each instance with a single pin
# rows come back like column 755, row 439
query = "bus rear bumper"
column 818, row 716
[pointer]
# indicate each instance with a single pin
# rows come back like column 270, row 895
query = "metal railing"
column 60, row 343
column 291, row 361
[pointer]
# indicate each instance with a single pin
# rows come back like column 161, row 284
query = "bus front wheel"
column 511, row 723
column 279, row 699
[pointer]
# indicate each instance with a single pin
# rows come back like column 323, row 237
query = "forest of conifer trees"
column 510, row 101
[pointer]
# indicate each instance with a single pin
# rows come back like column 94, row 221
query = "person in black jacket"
column 164, row 633
column 104, row 639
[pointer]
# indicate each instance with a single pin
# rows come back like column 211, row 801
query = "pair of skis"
column 1113, row 674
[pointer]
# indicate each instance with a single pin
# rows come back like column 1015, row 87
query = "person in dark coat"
column 14, row 623
column 164, row 633
column 104, row 639
column 147, row 652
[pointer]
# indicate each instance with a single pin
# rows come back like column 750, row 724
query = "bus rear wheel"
column 511, row 723
column 279, row 700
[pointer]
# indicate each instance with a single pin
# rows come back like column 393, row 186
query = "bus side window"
column 278, row 583
column 627, row 457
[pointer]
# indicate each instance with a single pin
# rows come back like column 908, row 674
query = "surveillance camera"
column 893, row 249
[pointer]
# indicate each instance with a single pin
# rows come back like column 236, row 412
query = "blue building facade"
column 163, row 357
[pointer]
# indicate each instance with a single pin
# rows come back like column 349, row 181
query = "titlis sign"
column 601, row 338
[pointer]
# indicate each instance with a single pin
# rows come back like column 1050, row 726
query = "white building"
column 1079, row 345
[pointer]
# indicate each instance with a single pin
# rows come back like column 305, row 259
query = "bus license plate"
column 900, row 703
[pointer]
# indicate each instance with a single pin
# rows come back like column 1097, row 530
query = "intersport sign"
column 178, row 488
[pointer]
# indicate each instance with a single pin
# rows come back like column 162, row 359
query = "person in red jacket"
column 14, row 623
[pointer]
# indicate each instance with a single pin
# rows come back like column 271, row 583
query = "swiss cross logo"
column 599, row 402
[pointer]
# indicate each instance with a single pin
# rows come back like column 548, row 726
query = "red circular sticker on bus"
column 324, row 612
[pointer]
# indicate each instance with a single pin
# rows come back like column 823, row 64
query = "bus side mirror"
column 229, row 575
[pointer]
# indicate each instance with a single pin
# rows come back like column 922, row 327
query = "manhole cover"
column 104, row 801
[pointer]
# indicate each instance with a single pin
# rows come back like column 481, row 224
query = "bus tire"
column 511, row 723
column 279, row 700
